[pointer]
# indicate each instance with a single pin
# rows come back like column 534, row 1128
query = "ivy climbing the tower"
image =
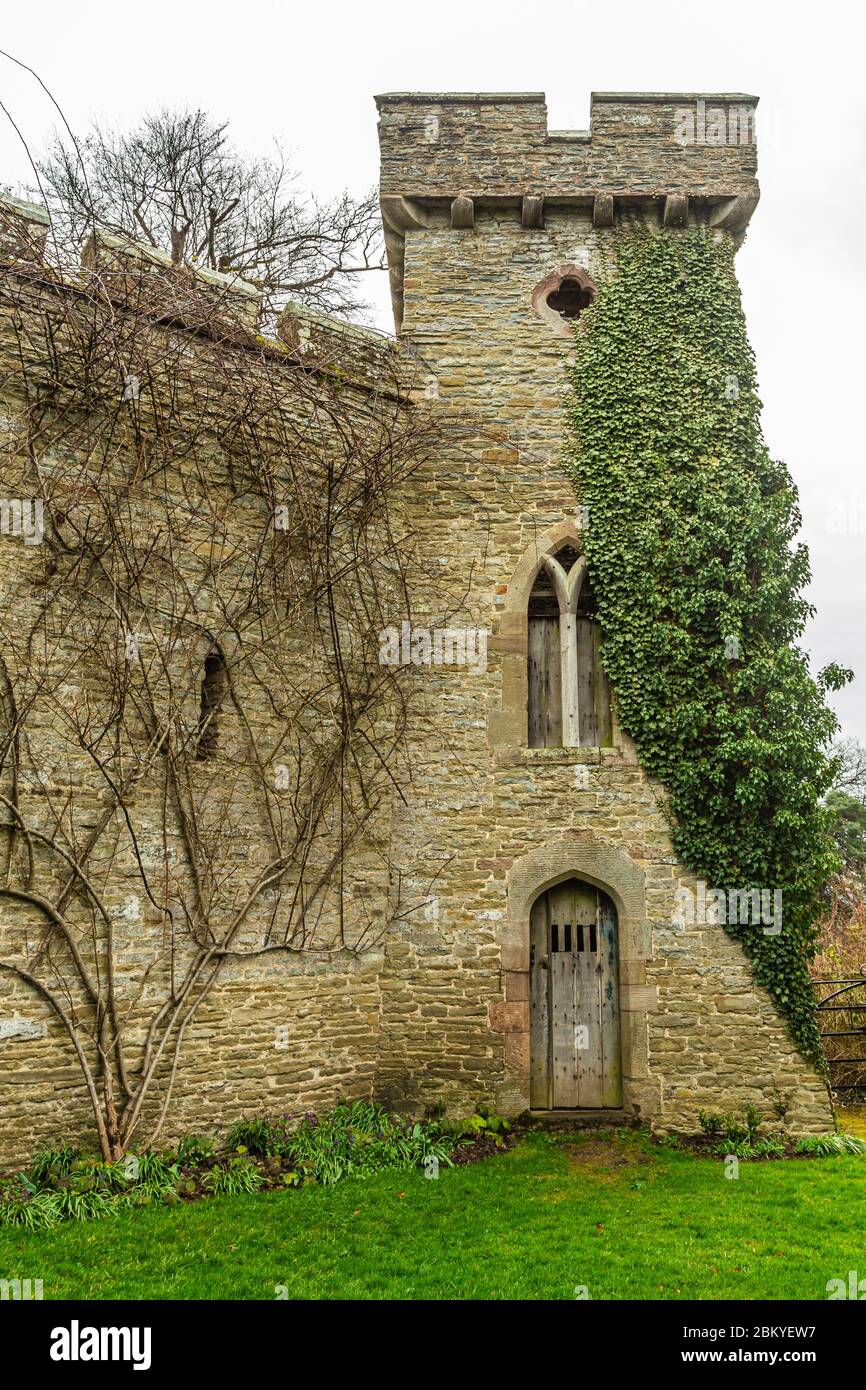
column 691, row 545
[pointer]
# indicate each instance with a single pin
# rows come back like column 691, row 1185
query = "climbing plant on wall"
column 691, row 544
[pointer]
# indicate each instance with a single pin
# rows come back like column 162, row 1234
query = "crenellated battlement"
column 684, row 157
column 490, row 145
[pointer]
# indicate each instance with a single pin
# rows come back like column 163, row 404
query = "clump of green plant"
column 669, row 1141
column 830, row 1145
column 153, row 1174
column 730, row 1134
column 75, row 1173
column 360, row 1138
column 483, row 1122
column 752, row 1118
column 734, row 1131
column 356, row 1138
column 260, row 1136
column 770, row 1146
column 237, row 1176
column 194, row 1149
column 730, row 1128
column 50, row 1164
column 74, row 1204
column 28, row 1209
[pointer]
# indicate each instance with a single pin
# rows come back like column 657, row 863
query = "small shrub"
column 735, row 1136
column 830, row 1145
column 734, row 1132
column 362, row 1138
column 51, row 1164
column 156, row 1175
column 482, row 1122
column 113, row 1177
column 75, row 1205
column 710, row 1123
column 258, row 1136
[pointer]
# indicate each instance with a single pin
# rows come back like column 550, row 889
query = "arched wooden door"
column 574, row 993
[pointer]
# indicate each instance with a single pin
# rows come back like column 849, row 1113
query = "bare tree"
column 177, row 183
column 850, row 777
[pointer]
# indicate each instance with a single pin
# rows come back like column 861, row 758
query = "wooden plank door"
column 574, row 1000
column 588, row 990
column 563, row 996
column 608, row 967
column 539, row 1007
column 545, row 683
column 587, row 722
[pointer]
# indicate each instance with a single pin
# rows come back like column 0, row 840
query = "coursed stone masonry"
column 496, row 822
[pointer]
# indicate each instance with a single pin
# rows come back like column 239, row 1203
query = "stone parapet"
column 447, row 157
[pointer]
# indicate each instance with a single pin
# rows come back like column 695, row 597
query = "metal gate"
column 844, row 1005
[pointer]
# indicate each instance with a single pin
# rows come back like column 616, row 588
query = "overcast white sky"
column 306, row 73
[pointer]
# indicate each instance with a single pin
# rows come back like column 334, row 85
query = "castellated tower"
column 548, row 970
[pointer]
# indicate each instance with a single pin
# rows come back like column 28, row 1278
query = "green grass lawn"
column 622, row 1217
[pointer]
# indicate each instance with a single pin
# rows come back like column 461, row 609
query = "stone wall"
column 288, row 1032
column 497, row 144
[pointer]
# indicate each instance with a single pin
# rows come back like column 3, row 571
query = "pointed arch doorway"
column 575, row 1047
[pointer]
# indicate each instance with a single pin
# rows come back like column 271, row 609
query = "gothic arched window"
column 569, row 701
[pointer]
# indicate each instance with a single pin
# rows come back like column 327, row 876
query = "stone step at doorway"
column 570, row 1120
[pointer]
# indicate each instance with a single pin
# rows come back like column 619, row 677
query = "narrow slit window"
column 213, row 690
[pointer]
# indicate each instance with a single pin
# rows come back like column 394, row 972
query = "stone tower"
column 547, row 968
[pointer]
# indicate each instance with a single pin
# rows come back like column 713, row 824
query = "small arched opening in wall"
column 544, row 628
column 560, row 298
column 569, row 698
column 579, row 882
column 575, row 1047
